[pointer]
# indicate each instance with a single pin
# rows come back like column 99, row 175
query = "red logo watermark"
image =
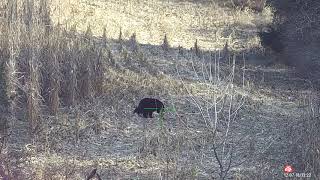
column 288, row 169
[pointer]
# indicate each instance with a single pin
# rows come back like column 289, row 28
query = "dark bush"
column 271, row 39
column 297, row 23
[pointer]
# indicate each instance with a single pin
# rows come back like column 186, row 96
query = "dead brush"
column 104, row 38
column 47, row 66
column 87, row 53
column 225, row 54
column 43, row 69
column 141, row 57
column 6, row 91
column 88, row 37
column 180, row 50
column 196, row 49
column 71, row 76
column 32, row 80
column 33, row 97
column 256, row 5
column 54, row 87
column 98, row 75
column 84, row 80
column 9, row 50
column 133, row 44
column 53, row 81
column 126, row 57
column 218, row 113
column 71, row 83
column 165, row 44
column 166, row 146
column 120, row 41
column 95, row 66
column 305, row 133
column 110, row 58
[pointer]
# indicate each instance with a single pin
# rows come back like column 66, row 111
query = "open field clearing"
column 182, row 21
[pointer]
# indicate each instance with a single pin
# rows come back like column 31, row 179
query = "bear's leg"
column 150, row 114
column 145, row 114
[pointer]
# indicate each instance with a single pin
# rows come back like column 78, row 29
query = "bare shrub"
column 220, row 114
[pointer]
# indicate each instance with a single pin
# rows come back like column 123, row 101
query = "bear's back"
column 150, row 103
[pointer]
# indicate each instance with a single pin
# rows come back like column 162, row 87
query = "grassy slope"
column 182, row 21
column 274, row 98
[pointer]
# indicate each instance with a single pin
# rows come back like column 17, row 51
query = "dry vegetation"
column 71, row 73
column 182, row 21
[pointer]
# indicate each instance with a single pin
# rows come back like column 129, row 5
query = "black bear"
column 147, row 106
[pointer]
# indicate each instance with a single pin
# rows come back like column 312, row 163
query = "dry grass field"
column 182, row 21
column 72, row 72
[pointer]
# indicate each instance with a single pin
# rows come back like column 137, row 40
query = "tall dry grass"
column 43, row 71
column 45, row 68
